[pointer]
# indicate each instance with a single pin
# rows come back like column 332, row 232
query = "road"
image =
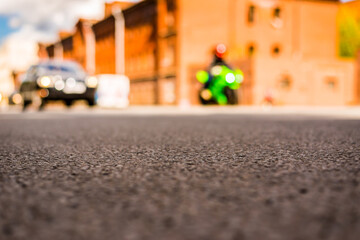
column 192, row 177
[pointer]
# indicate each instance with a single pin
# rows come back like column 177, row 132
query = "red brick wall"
column 79, row 51
column 105, row 46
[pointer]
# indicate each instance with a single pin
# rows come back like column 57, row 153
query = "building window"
column 275, row 51
column 170, row 20
column 251, row 14
column 285, row 82
column 169, row 56
column 277, row 13
column 276, row 21
column 250, row 50
column 331, row 82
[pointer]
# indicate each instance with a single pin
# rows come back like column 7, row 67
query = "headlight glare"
column 16, row 98
column 91, row 82
column 44, row 81
column 230, row 78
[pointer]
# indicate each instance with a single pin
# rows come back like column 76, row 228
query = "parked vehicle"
column 57, row 80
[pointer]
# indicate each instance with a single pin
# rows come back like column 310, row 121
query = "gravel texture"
column 227, row 177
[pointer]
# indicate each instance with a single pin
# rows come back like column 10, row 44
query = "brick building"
column 286, row 48
column 78, row 45
column 292, row 47
column 148, row 39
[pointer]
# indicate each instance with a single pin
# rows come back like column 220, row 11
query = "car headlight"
column 44, row 81
column 91, row 82
column 230, row 78
column 16, row 98
column 59, row 85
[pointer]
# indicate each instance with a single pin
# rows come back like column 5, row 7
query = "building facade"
column 148, row 36
column 291, row 44
column 78, row 45
column 288, row 49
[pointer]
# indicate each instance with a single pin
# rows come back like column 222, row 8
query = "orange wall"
column 105, row 55
column 79, row 48
column 318, row 33
column 306, row 36
column 201, row 25
column 140, row 51
column 307, row 57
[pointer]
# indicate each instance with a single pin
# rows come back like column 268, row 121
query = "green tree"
column 349, row 31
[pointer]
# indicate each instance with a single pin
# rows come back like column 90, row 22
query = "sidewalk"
column 349, row 112
column 340, row 112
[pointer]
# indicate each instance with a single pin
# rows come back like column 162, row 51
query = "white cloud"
column 48, row 17
column 14, row 22
column 44, row 18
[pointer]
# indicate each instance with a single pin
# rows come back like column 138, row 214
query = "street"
column 93, row 175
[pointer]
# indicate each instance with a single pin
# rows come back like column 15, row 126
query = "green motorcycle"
column 220, row 85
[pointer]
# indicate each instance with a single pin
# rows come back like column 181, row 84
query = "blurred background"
column 292, row 52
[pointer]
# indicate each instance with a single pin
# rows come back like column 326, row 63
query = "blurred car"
column 57, row 80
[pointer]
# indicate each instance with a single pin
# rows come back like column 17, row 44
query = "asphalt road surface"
column 115, row 176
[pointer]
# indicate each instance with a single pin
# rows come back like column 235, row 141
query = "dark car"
column 57, row 80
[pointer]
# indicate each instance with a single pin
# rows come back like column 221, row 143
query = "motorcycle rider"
column 218, row 60
column 220, row 81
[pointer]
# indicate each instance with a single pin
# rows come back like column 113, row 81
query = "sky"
column 5, row 29
column 41, row 20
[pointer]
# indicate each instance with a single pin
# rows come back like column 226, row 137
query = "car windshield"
column 71, row 68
